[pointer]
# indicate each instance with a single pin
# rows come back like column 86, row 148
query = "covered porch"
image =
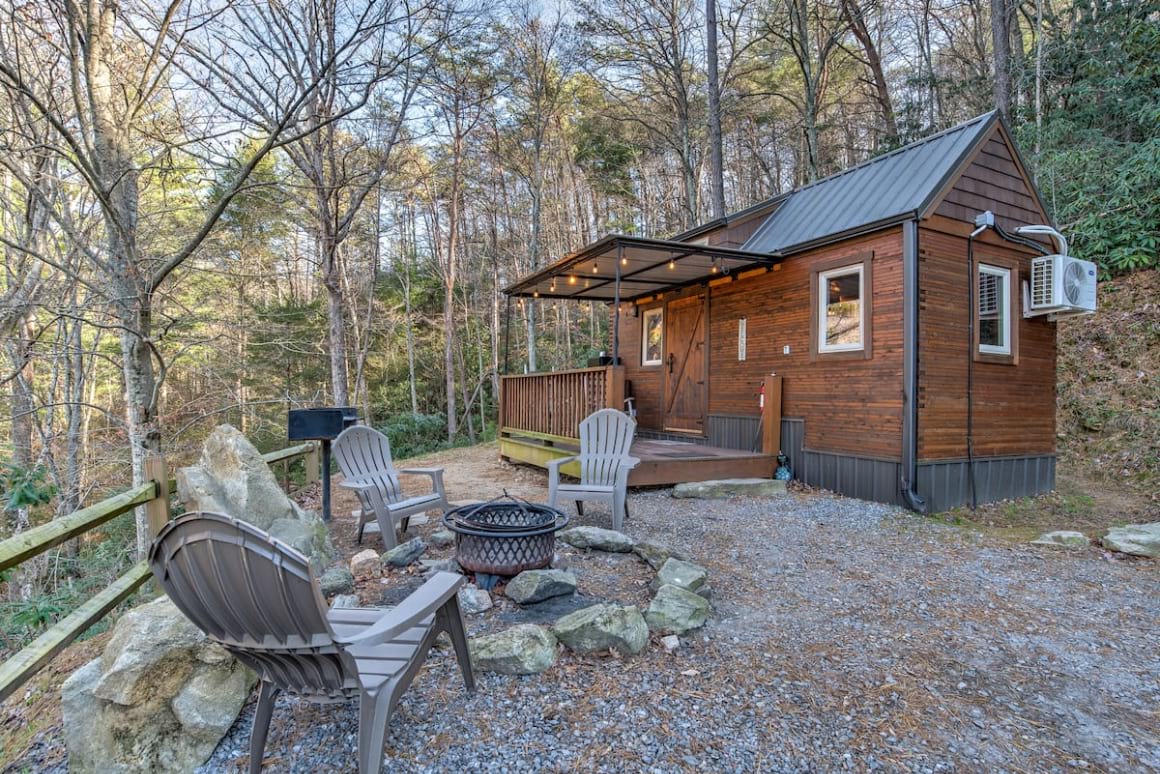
column 540, row 412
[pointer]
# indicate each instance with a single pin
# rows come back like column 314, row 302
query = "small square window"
column 653, row 336
column 841, row 311
column 994, row 325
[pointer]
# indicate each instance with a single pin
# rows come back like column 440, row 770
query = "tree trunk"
column 716, row 161
column 1001, row 40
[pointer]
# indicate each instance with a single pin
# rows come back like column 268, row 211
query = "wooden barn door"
column 685, row 364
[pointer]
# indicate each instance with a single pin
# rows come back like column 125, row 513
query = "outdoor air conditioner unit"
column 1060, row 285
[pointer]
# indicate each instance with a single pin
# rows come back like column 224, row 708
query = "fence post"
column 157, row 509
column 614, row 387
column 312, row 464
column 771, row 416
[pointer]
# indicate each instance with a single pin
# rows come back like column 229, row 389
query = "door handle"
column 672, row 358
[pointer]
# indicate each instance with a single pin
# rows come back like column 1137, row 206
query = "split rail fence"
column 154, row 495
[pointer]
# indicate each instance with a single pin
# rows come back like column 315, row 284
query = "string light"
column 571, row 279
column 535, row 294
column 595, row 267
column 623, row 261
column 672, row 263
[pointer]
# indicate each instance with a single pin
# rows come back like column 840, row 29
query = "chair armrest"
column 421, row 603
column 555, row 464
column 358, row 486
column 630, row 462
column 422, row 471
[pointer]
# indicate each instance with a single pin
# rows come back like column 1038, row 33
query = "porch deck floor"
column 661, row 461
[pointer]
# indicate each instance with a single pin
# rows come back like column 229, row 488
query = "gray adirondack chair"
column 364, row 457
column 258, row 598
column 605, row 440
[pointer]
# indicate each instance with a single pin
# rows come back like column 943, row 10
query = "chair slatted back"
column 255, row 596
column 364, row 454
column 605, row 440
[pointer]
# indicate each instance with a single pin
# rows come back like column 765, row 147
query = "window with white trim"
column 742, row 333
column 841, row 311
column 994, row 331
column 652, row 336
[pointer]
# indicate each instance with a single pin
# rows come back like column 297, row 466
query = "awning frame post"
column 507, row 335
column 616, row 314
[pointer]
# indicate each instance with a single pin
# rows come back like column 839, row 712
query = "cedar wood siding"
column 850, row 406
column 1014, row 404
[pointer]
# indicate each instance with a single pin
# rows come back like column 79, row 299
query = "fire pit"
column 504, row 536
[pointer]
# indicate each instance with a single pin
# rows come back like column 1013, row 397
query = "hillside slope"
column 1109, row 387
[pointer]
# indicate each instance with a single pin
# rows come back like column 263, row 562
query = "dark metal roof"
column 893, row 187
column 644, row 266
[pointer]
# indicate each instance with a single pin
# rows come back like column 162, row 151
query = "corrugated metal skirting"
column 947, row 484
column 731, row 431
column 866, row 479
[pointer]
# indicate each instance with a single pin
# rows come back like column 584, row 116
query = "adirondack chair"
column 259, row 599
column 605, row 440
column 364, row 457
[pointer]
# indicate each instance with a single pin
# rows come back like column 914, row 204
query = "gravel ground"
column 846, row 635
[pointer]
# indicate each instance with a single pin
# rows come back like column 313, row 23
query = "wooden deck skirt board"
column 661, row 461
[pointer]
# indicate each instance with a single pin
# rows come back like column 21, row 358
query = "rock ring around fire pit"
column 503, row 537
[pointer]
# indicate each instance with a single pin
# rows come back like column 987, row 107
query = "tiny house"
column 869, row 325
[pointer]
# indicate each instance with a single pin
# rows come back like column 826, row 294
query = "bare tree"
column 812, row 31
column 101, row 98
column 648, row 54
column 858, row 16
column 716, row 154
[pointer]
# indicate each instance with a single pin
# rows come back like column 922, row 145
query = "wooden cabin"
column 890, row 344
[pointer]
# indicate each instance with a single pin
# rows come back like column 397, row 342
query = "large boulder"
column 159, row 697
column 1136, row 539
column 676, row 610
column 597, row 539
column 521, row 650
column 532, row 586
column 730, row 487
column 232, row 478
column 603, row 627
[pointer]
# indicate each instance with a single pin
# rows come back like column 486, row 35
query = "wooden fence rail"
column 555, row 403
column 154, row 496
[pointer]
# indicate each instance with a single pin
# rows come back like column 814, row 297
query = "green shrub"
column 415, row 434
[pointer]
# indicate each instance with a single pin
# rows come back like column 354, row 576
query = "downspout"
column 909, row 477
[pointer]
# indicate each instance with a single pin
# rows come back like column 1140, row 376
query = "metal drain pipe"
column 907, row 482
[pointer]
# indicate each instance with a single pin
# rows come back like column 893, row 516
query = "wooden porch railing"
column 554, row 403
column 154, row 495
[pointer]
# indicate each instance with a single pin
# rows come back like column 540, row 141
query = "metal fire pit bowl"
column 504, row 536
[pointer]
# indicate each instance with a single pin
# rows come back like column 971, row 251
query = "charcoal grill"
column 504, row 536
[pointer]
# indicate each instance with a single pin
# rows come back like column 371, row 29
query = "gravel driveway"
column 846, row 635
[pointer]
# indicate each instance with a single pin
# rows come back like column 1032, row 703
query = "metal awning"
column 623, row 268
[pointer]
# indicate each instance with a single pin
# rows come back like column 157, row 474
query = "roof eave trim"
column 850, row 233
